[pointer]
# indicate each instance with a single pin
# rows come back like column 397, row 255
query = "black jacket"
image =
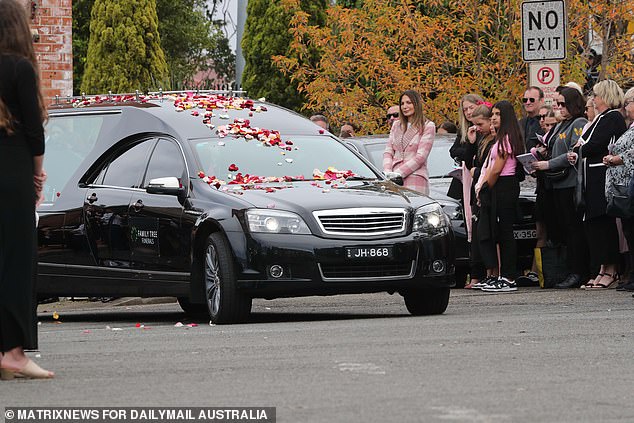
column 463, row 152
column 608, row 126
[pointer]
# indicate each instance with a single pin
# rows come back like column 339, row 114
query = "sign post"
column 544, row 30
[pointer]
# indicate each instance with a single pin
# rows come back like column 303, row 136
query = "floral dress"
column 620, row 175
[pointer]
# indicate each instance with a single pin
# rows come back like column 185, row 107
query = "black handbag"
column 557, row 175
column 551, row 264
column 621, row 204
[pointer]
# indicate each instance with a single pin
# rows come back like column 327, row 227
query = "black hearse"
column 216, row 200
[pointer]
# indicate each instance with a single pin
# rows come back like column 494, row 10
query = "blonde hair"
column 16, row 39
column 573, row 84
column 482, row 111
column 464, row 123
column 610, row 92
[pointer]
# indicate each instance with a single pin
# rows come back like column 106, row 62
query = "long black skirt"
column 18, row 314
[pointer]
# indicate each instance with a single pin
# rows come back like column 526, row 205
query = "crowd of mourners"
column 580, row 152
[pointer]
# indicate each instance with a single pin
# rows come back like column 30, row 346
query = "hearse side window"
column 166, row 160
column 126, row 168
column 68, row 141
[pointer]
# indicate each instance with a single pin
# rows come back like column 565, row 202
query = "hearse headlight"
column 452, row 209
column 431, row 221
column 276, row 222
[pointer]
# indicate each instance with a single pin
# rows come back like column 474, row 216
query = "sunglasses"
column 561, row 103
column 542, row 117
column 527, row 99
column 391, row 115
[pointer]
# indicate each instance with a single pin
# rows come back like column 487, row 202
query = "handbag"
column 557, row 175
column 621, row 204
column 551, row 265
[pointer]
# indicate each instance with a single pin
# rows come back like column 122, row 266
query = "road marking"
column 368, row 368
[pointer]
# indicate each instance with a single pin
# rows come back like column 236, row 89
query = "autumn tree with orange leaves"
column 371, row 53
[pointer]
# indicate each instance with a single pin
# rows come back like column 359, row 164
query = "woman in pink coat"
column 410, row 142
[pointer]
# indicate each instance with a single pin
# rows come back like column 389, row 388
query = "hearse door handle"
column 92, row 198
column 138, row 205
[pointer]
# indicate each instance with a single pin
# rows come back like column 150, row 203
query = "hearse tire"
column 424, row 302
column 225, row 303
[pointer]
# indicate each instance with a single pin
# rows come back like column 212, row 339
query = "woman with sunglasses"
column 543, row 213
column 409, row 144
column 563, row 179
column 600, row 229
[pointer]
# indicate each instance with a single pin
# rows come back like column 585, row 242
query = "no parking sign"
column 545, row 75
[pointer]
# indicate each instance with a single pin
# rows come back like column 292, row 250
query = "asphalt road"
column 530, row 356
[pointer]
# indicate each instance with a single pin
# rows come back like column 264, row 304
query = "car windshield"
column 439, row 162
column 298, row 157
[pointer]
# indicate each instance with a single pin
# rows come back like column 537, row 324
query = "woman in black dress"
column 601, row 231
column 22, row 113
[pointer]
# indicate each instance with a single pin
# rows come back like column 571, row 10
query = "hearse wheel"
column 191, row 309
column 225, row 303
column 422, row 302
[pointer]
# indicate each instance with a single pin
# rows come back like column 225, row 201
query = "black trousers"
column 571, row 223
column 504, row 209
column 602, row 240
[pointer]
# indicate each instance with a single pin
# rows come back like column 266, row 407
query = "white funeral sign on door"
column 543, row 30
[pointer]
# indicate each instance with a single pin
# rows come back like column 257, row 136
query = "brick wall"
column 52, row 19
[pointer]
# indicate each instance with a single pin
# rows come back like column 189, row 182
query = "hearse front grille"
column 361, row 221
column 367, row 271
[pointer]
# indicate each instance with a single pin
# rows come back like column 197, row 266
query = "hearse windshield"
column 297, row 157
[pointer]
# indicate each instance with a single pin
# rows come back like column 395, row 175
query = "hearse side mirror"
column 394, row 177
column 168, row 185
column 398, row 180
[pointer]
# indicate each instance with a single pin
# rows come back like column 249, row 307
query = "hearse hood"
column 317, row 195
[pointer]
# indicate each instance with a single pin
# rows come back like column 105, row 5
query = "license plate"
column 358, row 253
column 525, row 234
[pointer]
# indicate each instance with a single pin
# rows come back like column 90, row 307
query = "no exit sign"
column 544, row 28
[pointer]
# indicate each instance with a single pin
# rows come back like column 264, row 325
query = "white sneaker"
column 485, row 282
column 500, row 285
